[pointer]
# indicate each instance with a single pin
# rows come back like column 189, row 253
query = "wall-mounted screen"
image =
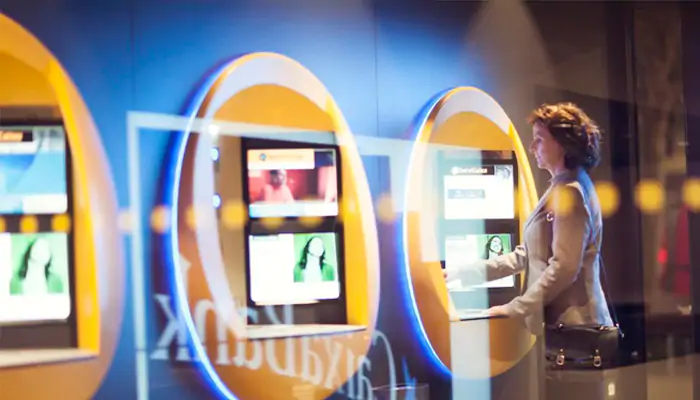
column 478, row 191
column 467, row 249
column 33, row 170
column 34, row 277
column 292, row 182
column 292, row 268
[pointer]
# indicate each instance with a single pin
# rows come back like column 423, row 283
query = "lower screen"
column 467, row 249
column 34, row 284
column 293, row 268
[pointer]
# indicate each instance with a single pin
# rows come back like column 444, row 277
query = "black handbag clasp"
column 560, row 358
column 597, row 359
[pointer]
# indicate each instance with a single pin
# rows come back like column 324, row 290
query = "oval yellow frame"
column 99, row 266
column 467, row 108
column 278, row 78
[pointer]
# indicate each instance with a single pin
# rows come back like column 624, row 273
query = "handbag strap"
column 606, row 289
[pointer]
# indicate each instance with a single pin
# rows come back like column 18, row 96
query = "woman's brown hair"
column 574, row 130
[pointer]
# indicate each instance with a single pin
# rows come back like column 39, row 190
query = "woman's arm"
column 570, row 231
column 490, row 270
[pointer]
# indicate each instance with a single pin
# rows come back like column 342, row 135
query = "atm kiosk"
column 58, row 212
column 480, row 190
column 37, row 302
column 286, row 258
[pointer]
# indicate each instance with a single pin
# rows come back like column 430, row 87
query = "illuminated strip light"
column 171, row 241
column 418, row 126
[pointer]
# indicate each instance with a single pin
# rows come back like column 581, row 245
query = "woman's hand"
column 450, row 274
column 497, row 311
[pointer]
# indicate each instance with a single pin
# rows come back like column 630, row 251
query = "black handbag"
column 584, row 347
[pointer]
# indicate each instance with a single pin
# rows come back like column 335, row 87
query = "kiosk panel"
column 289, row 268
column 36, row 263
column 461, row 249
column 479, row 192
column 33, row 170
column 292, row 182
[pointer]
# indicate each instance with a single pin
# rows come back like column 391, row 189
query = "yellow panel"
column 275, row 105
column 20, row 85
column 468, row 129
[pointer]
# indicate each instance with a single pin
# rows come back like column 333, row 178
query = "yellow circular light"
column 609, row 198
column 61, row 223
column 233, row 215
column 310, row 222
column 160, row 219
column 196, row 217
column 272, row 222
column 649, row 196
column 561, row 201
column 385, row 209
column 28, row 224
column 691, row 194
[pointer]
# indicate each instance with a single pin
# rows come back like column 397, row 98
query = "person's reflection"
column 276, row 191
column 494, row 248
column 34, row 275
column 312, row 267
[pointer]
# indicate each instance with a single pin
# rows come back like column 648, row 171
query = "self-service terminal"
column 480, row 188
column 294, row 249
column 36, row 259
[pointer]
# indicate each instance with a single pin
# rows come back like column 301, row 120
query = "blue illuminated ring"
column 171, row 246
column 418, row 329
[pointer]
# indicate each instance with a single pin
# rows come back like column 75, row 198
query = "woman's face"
column 40, row 253
column 279, row 178
column 548, row 153
column 496, row 245
column 316, row 247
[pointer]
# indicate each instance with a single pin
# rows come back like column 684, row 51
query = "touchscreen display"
column 34, row 281
column 291, row 268
column 33, row 170
column 292, row 183
column 479, row 192
column 466, row 249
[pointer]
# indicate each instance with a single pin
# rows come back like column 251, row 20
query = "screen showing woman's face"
column 40, row 253
column 316, row 247
column 496, row 245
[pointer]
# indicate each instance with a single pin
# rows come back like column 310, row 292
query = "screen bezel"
column 328, row 311
column 496, row 295
column 44, row 333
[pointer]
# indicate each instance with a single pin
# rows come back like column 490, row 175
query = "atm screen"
column 34, row 284
column 292, row 183
column 293, row 268
column 478, row 191
column 33, row 170
column 467, row 249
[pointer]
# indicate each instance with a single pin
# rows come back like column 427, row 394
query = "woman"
column 560, row 253
column 312, row 267
column 494, row 248
column 34, row 275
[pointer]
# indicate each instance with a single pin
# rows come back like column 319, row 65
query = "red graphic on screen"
column 292, row 185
